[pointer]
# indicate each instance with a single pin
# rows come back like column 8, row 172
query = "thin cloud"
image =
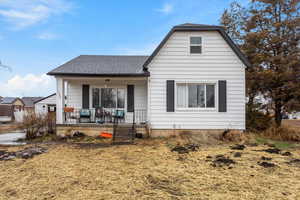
column 28, row 85
column 166, row 9
column 47, row 36
column 23, row 13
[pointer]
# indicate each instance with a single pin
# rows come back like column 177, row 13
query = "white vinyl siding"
column 216, row 62
column 42, row 106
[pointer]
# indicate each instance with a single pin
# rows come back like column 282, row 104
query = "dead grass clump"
column 233, row 136
column 282, row 133
column 202, row 138
column 169, row 185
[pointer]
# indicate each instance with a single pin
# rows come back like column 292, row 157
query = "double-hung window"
column 108, row 98
column 195, row 95
column 195, row 45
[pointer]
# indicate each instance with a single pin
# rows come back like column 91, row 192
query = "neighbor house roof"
column 199, row 27
column 8, row 100
column 44, row 98
column 103, row 65
column 29, row 101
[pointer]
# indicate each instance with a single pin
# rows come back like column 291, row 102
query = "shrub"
column 257, row 121
column 37, row 125
column 282, row 133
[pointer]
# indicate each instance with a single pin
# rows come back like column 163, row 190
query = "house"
column 194, row 81
column 29, row 103
column 6, row 113
column 9, row 106
column 16, row 103
column 45, row 105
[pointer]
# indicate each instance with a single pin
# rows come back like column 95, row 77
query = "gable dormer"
column 196, row 40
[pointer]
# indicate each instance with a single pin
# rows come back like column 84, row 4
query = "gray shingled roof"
column 29, row 101
column 7, row 100
column 102, row 65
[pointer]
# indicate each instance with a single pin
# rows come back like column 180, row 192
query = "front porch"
column 101, row 101
column 94, row 129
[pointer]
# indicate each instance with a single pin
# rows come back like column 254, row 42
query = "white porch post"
column 60, row 100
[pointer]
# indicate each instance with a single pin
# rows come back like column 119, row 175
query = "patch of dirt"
column 294, row 162
column 221, row 161
column 185, row 148
column 272, row 150
column 265, row 158
column 287, row 153
column 266, row 164
column 238, row 147
column 26, row 153
column 237, row 154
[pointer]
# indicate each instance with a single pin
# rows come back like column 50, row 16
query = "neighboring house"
column 29, row 103
column 45, row 105
column 194, row 81
column 10, row 107
column 16, row 103
column 6, row 113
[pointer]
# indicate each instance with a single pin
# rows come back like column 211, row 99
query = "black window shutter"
column 130, row 98
column 170, row 96
column 85, row 96
column 222, row 96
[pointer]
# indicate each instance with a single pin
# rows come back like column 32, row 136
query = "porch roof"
column 103, row 65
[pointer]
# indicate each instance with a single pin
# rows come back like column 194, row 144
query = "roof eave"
column 145, row 74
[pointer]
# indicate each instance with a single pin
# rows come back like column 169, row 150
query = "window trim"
column 197, row 109
column 113, row 87
column 189, row 46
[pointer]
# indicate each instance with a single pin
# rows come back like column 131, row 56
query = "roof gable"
column 199, row 27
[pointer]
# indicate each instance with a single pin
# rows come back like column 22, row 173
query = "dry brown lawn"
column 4, row 128
column 146, row 170
column 295, row 123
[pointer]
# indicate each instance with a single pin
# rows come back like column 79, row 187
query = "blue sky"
column 39, row 35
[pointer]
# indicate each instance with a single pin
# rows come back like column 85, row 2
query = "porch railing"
column 77, row 116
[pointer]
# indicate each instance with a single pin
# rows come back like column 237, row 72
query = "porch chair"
column 100, row 115
column 85, row 116
column 120, row 115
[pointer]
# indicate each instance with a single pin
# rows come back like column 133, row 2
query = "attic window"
column 195, row 45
